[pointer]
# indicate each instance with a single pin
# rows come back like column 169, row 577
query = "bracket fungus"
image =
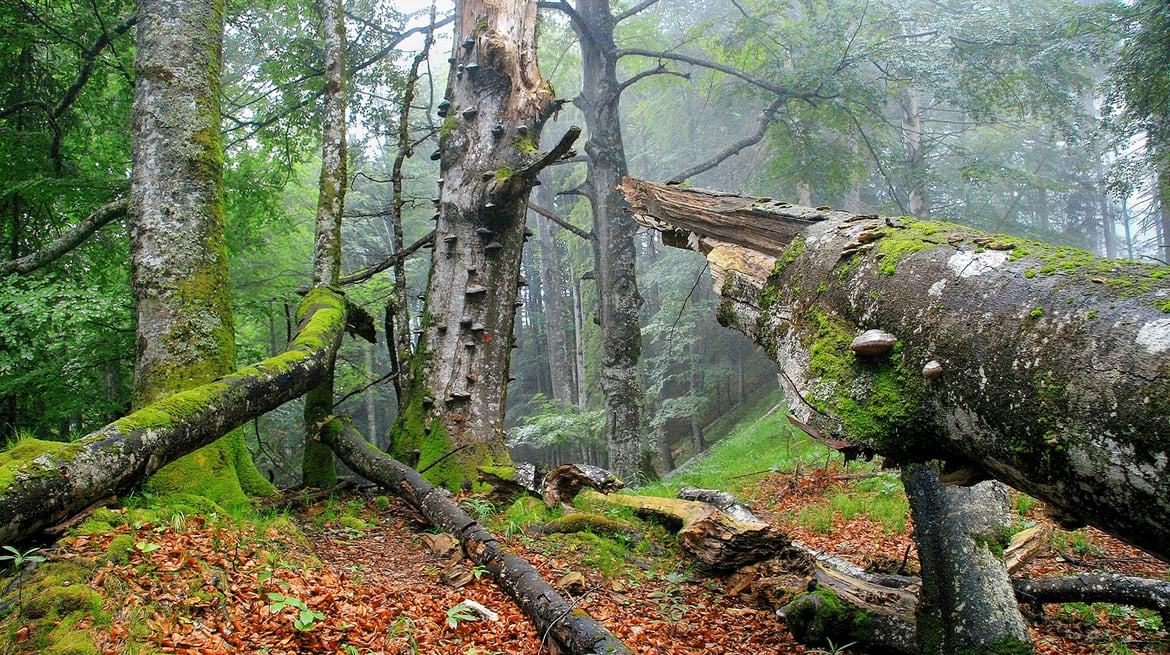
column 873, row 343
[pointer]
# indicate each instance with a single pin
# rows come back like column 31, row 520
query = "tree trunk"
column 967, row 603
column 317, row 467
column 1045, row 367
column 45, row 483
column 560, row 363
column 574, row 631
column 497, row 106
column 185, row 332
column 613, row 244
column 915, row 157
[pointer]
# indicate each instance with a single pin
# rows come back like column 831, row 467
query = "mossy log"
column 712, row 536
column 586, row 522
column 44, row 484
column 1047, row 368
column 573, row 631
column 1098, row 588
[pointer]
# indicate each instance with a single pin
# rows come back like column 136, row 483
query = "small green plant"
column 145, row 547
column 671, row 605
column 479, row 508
column 832, row 649
column 479, row 571
column 1024, row 504
column 19, row 559
column 404, row 627
column 304, row 619
column 460, row 613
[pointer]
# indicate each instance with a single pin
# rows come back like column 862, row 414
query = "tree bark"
column 497, row 106
column 49, row 483
column 574, row 631
column 560, row 357
column 185, row 335
column 317, row 467
column 915, row 156
column 1047, row 367
column 613, row 243
column 967, row 603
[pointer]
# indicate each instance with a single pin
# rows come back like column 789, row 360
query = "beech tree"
column 184, row 325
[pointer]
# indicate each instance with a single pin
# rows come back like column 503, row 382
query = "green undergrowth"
column 760, row 441
column 880, row 499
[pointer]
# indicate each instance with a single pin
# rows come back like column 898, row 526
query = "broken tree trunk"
column 46, row 483
column 967, row 603
column 1045, row 367
column 496, row 104
column 1098, row 588
column 574, row 631
column 712, row 536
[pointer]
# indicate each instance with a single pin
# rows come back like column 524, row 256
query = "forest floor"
column 350, row 575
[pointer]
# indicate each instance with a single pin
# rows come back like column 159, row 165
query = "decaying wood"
column 303, row 497
column 62, row 481
column 563, row 483
column 1025, row 545
column 712, row 536
column 573, row 632
column 556, row 487
column 1048, row 369
column 1099, row 588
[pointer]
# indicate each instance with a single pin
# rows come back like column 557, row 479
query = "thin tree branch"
column 391, row 260
column 660, row 70
column 560, row 221
column 50, row 253
column 636, row 9
column 712, row 65
column 765, row 119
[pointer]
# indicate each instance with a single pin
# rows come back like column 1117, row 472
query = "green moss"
column 893, row 398
column 1036, row 313
column 908, row 237
column 353, row 523
column 317, row 465
column 820, row 615
column 69, row 639
column 502, row 472
column 1004, row 645
column 774, row 290
column 587, row 522
column 23, row 455
column 525, row 145
column 120, row 548
column 448, row 127
column 503, row 173
column 1030, row 273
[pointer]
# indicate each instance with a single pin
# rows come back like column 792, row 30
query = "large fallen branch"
column 47, row 483
column 711, row 535
column 574, row 631
column 1044, row 367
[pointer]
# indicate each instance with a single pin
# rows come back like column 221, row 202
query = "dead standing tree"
column 496, row 104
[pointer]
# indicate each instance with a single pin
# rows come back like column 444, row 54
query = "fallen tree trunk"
column 573, row 631
column 1098, row 588
column 712, row 536
column 1044, row 367
column 45, row 483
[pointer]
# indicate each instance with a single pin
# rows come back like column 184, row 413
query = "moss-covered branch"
column 42, row 484
column 1045, row 367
